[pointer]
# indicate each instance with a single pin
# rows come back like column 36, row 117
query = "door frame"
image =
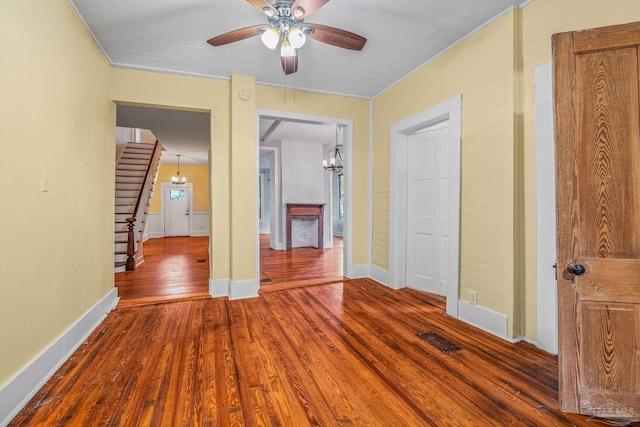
column 163, row 187
column 448, row 110
column 347, row 260
column 546, row 242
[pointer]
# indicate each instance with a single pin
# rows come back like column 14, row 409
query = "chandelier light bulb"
column 286, row 50
column 297, row 38
column 270, row 37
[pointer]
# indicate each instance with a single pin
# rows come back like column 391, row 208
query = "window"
column 176, row 195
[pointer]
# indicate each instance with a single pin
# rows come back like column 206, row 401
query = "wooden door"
column 427, row 210
column 598, row 194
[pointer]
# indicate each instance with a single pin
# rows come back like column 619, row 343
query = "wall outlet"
column 473, row 297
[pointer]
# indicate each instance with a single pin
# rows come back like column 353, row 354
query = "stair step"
column 133, row 193
column 133, row 161
column 125, row 210
column 128, row 168
column 121, row 217
column 120, row 258
column 129, row 180
column 139, row 146
column 135, row 157
column 128, row 186
column 122, row 201
column 131, row 172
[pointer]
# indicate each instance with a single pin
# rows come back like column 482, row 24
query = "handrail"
column 131, row 261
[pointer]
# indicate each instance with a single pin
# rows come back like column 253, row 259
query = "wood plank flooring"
column 328, row 355
column 174, row 268
column 300, row 266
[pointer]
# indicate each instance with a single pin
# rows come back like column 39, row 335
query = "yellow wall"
column 198, row 94
column 58, row 120
column 493, row 69
column 231, row 209
column 198, row 175
column 481, row 69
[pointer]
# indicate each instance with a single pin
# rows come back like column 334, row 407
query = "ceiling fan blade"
column 264, row 4
column 336, row 37
column 289, row 63
column 300, row 9
column 236, row 35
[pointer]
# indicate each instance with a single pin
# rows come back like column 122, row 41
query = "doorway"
column 279, row 143
column 179, row 212
column 176, row 207
column 448, row 115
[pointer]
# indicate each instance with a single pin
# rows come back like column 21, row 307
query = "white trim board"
column 546, row 284
column 219, row 287
column 448, row 110
column 482, row 318
column 17, row 392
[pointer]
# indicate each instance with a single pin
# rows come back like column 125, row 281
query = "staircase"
column 136, row 174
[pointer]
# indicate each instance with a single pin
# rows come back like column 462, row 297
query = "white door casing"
column 176, row 214
column 546, row 283
column 348, row 267
column 398, row 204
column 427, row 213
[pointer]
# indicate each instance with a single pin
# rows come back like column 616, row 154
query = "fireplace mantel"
column 305, row 211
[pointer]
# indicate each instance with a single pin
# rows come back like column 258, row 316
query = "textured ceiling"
column 171, row 35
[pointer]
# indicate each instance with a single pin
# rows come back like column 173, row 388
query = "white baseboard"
column 198, row 233
column 244, row 289
column 219, row 287
column 379, row 275
column 482, row 318
column 17, row 392
column 358, row 272
column 156, row 235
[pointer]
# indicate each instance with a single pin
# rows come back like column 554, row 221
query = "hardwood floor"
column 327, row 355
column 174, row 268
column 299, row 267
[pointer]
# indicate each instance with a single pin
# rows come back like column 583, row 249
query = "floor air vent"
column 442, row 344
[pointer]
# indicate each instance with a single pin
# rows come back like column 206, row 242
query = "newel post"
column 131, row 261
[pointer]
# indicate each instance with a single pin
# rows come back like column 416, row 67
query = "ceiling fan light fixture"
column 269, row 12
column 297, row 37
column 298, row 12
column 270, row 37
column 286, row 50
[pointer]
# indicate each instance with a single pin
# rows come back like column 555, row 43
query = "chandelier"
column 177, row 179
column 336, row 162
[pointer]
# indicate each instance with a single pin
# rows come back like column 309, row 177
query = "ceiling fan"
column 286, row 23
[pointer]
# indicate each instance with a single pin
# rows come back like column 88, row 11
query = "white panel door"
column 176, row 211
column 427, row 209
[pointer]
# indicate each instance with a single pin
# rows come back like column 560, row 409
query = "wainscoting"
column 199, row 225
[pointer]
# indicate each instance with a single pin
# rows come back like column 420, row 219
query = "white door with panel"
column 427, row 209
column 176, row 211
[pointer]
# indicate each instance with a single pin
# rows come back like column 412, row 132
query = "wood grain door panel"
column 597, row 117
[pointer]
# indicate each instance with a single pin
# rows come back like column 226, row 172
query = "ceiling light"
column 270, row 37
column 297, row 37
column 286, row 50
column 269, row 12
column 176, row 179
column 298, row 13
column 336, row 163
